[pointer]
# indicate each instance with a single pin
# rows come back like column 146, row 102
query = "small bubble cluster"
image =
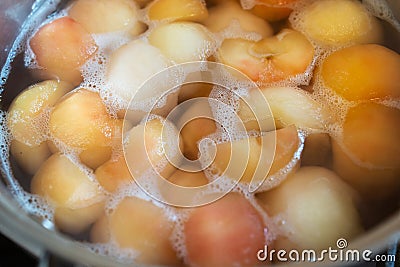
column 96, row 78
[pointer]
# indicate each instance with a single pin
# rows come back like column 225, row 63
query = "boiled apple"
column 271, row 59
column 317, row 209
column 61, row 47
column 362, row 72
column 183, row 41
column 338, row 23
column 77, row 199
column 139, row 225
column 101, row 16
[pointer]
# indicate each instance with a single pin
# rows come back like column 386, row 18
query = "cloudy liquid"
column 16, row 77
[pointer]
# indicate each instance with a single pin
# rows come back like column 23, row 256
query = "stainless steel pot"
column 38, row 237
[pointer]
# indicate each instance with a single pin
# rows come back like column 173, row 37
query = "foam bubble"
column 393, row 103
column 381, row 9
column 111, row 249
column 94, row 73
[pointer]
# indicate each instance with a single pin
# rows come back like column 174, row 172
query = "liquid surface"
column 95, row 73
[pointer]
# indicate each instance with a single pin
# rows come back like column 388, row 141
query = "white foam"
column 94, row 73
column 111, row 249
column 381, row 9
column 275, row 179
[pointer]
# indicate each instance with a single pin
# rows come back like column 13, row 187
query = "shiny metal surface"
column 30, row 234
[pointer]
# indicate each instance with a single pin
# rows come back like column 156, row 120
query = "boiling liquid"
column 16, row 77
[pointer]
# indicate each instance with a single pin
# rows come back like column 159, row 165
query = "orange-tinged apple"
column 236, row 53
column 188, row 179
column 233, row 238
column 368, row 154
column 193, row 132
column 95, row 156
column 271, row 13
column 139, row 225
column 222, row 16
column 196, row 127
column 77, row 199
column 288, row 53
column 81, row 122
column 271, row 59
column 182, row 10
column 211, row 3
column 362, row 72
column 317, row 207
column 255, row 112
column 100, row 232
column 182, row 178
column 237, row 159
column 113, row 173
column 273, row 10
column 147, row 145
column 131, row 65
column 101, row 16
column 277, row 3
column 61, row 47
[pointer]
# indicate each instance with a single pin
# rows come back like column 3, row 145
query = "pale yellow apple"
column 196, row 127
column 338, row 23
column 362, row 72
column 368, row 153
column 273, row 10
column 253, row 159
column 77, row 199
column 317, row 207
column 139, row 225
column 113, row 173
column 183, row 41
column 292, row 105
column 101, row 16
